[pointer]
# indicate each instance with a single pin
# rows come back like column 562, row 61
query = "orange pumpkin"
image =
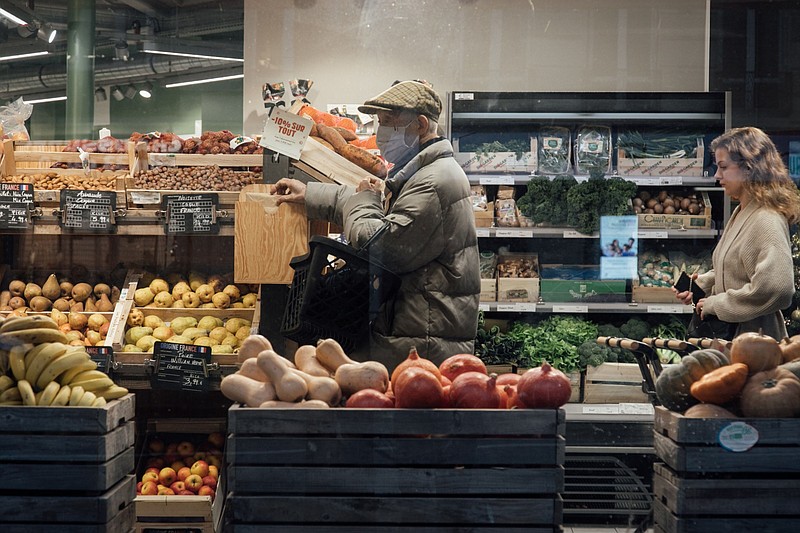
column 771, row 394
column 721, row 385
column 708, row 410
column 759, row 352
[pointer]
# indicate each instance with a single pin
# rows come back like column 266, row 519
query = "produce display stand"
column 614, row 383
column 421, row 470
column 67, row 469
column 703, row 486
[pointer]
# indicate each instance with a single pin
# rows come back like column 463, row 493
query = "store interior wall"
column 353, row 49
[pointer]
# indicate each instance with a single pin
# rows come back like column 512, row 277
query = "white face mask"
column 395, row 143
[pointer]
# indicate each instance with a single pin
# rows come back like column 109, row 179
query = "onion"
column 456, row 365
column 418, row 387
column 474, row 390
column 366, row 398
column 414, row 359
column 544, row 388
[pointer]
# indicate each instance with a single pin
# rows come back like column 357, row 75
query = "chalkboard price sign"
column 16, row 203
column 191, row 213
column 88, row 211
column 101, row 355
column 181, row 366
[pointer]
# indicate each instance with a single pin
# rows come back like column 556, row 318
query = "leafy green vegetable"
column 555, row 340
column 658, row 142
column 635, row 328
column 595, row 197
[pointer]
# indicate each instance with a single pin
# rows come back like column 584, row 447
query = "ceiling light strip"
column 197, row 56
column 23, row 56
column 45, row 100
column 206, row 80
column 12, row 17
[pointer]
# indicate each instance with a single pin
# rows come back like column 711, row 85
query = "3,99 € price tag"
column 285, row 133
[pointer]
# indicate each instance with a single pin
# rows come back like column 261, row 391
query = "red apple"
column 178, row 486
column 217, row 439
column 185, row 492
column 155, row 462
column 193, row 483
column 167, row 476
column 200, row 468
column 177, row 465
column 206, row 491
column 166, row 491
column 150, row 476
column 149, row 488
column 156, row 445
column 185, row 449
column 213, row 471
column 139, row 487
column 209, row 481
column 183, row 473
column 153, row 469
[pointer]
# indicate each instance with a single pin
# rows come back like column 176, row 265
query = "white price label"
column 145, row 197
column 601, row 409
column 464, row 96
column 517, row 307
column 483, row 232
column 652, row 234
column 570, row 308
column 636, row 409
column 666, row 308
column 484, row 307
column 645, row 181
column 671, row 180
column 573, row 234
column 496, row 180
column 738, row 437
column 285, row 133
column 507, row 308
column 513, row 233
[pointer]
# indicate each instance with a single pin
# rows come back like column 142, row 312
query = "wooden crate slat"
column 320, row 528
column 61, row 508
column 249, row 480
column 95, row 158
column 75, row 448
column 717, row 459
column 176, row 507
column 726, row 496
column 95, row 420
column 396, row 451
column 244, row 421
column 706, row 431
column 667, row 521
column 122, row 523
column 82, row 477
column 393, row 510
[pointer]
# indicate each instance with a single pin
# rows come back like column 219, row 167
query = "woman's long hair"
column 767, row 179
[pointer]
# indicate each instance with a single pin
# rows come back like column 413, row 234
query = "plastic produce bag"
column 554, row 150
column 12, row 120
column 593, row 149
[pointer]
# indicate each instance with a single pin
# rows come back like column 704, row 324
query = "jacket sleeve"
column 411, row 234
column 767, row 261
column 325, row 201
column 706, row 280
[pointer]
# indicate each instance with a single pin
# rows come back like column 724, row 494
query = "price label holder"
column 496, row 180
column 16, row 206
column 190, row 214
column 483, row 306
column 514, row 233
column 570, row 308
column 667, row 308
column 574, row 234
column 103, row 356
column 181, row 367
column 483, row 232
column 88, row 211
column 649, row 234
column 517, row 307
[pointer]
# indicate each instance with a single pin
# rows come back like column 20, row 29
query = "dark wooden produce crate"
column 67, row 469
column 403, row 470
column 703, row 487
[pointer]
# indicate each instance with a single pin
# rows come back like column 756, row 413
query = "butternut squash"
column 321, row 388
column 353, row 377
column 289, row 386
column 252, row 346
column 251, row 370
column 246, row 390
column 305, row 359
column 306, row 404
column 331, row 354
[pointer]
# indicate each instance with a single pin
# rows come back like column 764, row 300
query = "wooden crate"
column 662, row 166
column 67, row 468
column 703, row 486
column 192, row 514
column 614, row 383
column 702, row 221
column 344, row 470
column 653, row 295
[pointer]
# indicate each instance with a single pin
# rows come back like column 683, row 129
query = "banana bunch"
column 46, row 371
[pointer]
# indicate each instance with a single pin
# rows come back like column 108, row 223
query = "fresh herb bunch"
column 555, row 340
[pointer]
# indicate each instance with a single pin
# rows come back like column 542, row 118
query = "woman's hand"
column 698, row 307
column 289, row 190
column 685, row 296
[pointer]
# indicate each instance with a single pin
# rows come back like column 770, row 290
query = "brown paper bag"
column 267, row 237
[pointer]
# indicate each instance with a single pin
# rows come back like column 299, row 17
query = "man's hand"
column 289, row 190
column 370, row 184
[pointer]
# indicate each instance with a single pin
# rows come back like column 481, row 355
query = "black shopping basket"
column 336, row 293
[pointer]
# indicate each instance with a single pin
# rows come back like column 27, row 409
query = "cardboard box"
column 488, row 290
column 493, row 162
column 518, row 277
column 518, row 289
column 484, row 219
column 658, row 166
column 702, row 221
column 588, row 289
column 653, row 295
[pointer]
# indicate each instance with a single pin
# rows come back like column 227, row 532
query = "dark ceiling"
column 191, row 25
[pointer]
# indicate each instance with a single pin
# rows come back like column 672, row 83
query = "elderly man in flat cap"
column 423, row 229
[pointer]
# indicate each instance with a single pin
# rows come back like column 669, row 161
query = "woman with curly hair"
column 752, row 275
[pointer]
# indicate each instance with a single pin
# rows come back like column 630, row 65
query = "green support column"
column 80, row 69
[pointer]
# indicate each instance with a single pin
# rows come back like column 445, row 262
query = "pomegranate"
column 417, row 387
column 414, row 359
column 544, row 388
column 367, row 398
column 458, row 364
column 508, row 379
column 513, row 398
column 474, row 390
